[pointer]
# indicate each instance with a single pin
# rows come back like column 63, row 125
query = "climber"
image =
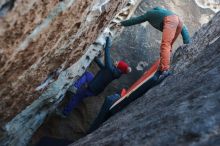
column 171, row 26
column 88, row 85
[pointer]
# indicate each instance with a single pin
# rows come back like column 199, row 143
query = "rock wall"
column 214, row 5
column 183, row 110
column 30, row 51
column 40, row 40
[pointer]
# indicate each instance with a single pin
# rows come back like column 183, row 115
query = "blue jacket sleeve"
column 185, row 35
column 99, row 63
column 108, row 60
column 136, row 20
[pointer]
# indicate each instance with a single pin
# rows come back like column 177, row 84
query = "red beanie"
column 123, row 67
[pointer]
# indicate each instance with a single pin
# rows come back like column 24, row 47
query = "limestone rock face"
column 214, row 5
column 45, row 46
column 183, row 110
column 39, row 37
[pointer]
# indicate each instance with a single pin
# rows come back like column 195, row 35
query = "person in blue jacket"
column 90, row 85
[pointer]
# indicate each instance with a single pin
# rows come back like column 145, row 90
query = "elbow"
column 187, row 40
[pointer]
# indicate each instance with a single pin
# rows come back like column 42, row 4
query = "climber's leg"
column 104, row 112
column 84, row 79
column 178, row 31
column 169, row 31
column 78, row 97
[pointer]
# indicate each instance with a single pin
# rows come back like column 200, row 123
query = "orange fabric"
column 172, row 27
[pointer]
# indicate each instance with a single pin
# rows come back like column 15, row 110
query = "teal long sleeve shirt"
column 155, row 17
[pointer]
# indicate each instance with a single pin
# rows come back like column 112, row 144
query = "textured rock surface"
column 214, row 5
column 138, row 45
column 30, row 51
column 183, row 110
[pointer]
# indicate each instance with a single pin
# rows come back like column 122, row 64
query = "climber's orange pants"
column 172, row 27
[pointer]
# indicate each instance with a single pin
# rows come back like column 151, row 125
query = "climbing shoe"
column 164, row 74
column 161, row 75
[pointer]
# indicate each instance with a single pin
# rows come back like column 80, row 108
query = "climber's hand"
column 118, row 25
